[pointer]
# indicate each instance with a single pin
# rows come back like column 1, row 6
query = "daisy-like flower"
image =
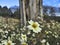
column 23, row 37
column 1, row 30
column 24, row 43
column 9, row 42
column 46, row 32
column 43, row 41
column 47, row 43
column 34, row 26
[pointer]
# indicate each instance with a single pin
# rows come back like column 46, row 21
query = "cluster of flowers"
column 7, row 35
column 8, row 30
column 34, row 27
column 36, row 33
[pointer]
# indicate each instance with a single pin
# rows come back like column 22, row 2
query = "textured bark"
column 28, row 16
column 34, row 9
column 24, row 13
column 30, row 9
column 41, row 9
column 21, row 13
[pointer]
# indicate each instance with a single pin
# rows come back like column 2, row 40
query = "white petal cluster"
column 23, row 37
column 9, row 42
column 34, row 26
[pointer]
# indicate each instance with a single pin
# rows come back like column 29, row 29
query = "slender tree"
column 20, row 7
column 31, row 9
column 52, row 11
column 22, row 12
column 41, row 8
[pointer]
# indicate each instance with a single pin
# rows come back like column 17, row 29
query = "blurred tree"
column 41, row 8
column 52, row 11
column 5, row 11
column 0, row 7
column 59, row 9
column 10, row 12
column 0, row 10
column 16, row 14
column 45, row 9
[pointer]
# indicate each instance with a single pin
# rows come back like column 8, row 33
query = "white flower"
column 28, row 32
column 0, row 44
column 4, row 36
column 56, row 36
column 5, row 25
column 34, row 26
column 23, row 37
column 24, row 43
column 33, row 34
column 47, row 43
column 43, row 41
column 6, row 31
column 57, row 43
column 9, row 42
column 1, row 30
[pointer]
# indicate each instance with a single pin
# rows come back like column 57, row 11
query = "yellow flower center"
column 46, row 32
column 8, row 43
column 34, row 25
column 23, row 36
column 24, row 44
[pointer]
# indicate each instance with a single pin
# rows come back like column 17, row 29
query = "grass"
column 9, row 23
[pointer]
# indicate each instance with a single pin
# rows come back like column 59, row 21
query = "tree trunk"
column 34, row 9
column 41, row 9
column 24, row 13
column 21, row 13
column 31, row 8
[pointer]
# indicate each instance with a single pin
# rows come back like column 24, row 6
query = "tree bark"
column 34, row 9
column 30, row 4
column 21, row 13
column 41, row 9
column 24, row 13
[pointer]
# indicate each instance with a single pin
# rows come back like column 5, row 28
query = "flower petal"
column 35, row 31
column 30, row 22
column 30, row 27
column 37, row 23
column 39, row 29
